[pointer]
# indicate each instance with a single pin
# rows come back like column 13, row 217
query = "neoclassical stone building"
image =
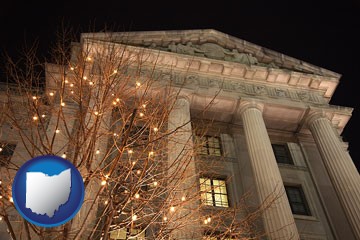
column 272, row 126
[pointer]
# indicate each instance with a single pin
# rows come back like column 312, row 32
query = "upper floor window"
column 213, row 192
column 128, row 233
column 210, row 145
column 6, row 152
column 282, row 153
column 297, row 200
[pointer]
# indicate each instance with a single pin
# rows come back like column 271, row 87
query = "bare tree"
column 106, row 108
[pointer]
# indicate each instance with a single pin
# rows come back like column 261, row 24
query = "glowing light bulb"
column 91, row 83
column 72, row 68
column 57, row 131
column 1, row 151
column 85, row 77
column 35, row 118
column 172, row 209
column 138, row 84
column 156, row 129
column 137, row 195
column 51, row 94
column 209, row 219
column 106, row 202
column 34, row 97
column 43, row 115
column 63, row 104
column 115, row 71
column 130, row 151
column 138, row 172
column 118, row 99
column 64, row 155
column 134, row 217
column 155, row 183
column 71, row 85
column 141, row 114
column 144, row 105
column 11, row 199
column 205, row 221
column 88, row 58
column 114, row 103
column 97, row 151
column 151, row 154
column 165, row 219
column 96, row 113
column 66, row 81
column 103, row 182
column 72, row 92
column 183, row 198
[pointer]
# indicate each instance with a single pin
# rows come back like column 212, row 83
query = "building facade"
column 265, row 118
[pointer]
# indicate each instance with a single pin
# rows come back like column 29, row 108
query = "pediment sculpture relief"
column 214, row 51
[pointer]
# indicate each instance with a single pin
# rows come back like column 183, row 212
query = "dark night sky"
column 322, row 33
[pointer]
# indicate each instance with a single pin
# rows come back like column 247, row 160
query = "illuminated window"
column 282, row 153
column 213, row 192
column 210, row 145
column 6, row 152
column 217, row 236
column 128, row 233
column 297, row 200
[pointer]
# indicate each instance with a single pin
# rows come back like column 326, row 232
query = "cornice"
column 324, row 85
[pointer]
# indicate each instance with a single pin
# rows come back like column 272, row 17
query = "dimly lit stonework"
column 268, row 122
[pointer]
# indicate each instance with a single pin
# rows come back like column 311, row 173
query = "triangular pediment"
column 212, row 44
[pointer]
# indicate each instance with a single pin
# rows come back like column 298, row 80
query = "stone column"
column 182, row 172
column 341, row 169
column 278, row 219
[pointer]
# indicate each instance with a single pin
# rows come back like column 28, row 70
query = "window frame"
column 304, row 202
column 290, row 160
column 5, row 159
column 210, row 151
column 128, row 232
column 204, row 195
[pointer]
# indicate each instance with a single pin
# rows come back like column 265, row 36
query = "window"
column 210, row 145
column 217, row 236
column 213, row 192
column 128, row 233
column 6, row 152
column 297, row 200
column 282, row 153
column 138, row 135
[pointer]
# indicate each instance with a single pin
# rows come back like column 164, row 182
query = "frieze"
column 193, row 81
column 248, row 88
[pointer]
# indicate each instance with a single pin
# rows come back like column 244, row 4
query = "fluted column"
column 278, row 219
column 341, row 169
column 182, row 172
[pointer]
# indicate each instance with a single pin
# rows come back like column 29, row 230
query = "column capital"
column 250, row 103
column 315, row 115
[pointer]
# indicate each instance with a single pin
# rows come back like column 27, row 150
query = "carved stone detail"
column 214, row 51
column 192, row 81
